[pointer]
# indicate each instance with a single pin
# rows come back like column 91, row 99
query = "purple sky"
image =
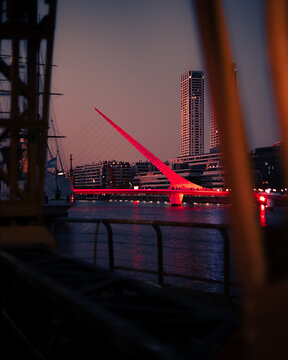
column 126, row 57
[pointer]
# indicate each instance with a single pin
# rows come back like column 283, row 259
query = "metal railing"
column 221, row 228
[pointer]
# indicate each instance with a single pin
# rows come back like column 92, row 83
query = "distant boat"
column 57, row 192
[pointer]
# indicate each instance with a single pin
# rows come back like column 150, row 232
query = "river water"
column 191, row 252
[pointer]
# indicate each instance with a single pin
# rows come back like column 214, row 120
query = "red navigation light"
column 262, row 198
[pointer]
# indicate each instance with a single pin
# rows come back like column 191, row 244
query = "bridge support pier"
column 176, row 199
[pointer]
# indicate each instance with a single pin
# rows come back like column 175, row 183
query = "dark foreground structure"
column 55, row 307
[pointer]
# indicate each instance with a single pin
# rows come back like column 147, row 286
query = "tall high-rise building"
column 214, row 131
column 192, row 113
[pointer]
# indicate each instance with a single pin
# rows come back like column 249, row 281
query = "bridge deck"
column 153, row 191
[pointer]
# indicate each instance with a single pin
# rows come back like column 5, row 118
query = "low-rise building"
column 102, row 175
column 268, row 168
column 205, row 170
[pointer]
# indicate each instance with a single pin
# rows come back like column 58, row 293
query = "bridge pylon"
column 176, row 199
column 176, row 181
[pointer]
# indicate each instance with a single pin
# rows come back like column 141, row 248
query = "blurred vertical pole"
column 277, row 27
column 14, row 111
column 246, row 232
column 51, row 23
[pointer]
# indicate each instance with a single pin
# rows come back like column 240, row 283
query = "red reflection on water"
column 262, row 215
column 137, row 251
column 138, row 260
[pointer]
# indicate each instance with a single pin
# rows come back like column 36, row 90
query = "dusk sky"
column 126, row 57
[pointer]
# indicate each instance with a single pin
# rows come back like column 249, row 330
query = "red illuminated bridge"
column 179, row 186
column 172, row 193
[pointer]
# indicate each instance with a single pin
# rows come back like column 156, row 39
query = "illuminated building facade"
column 143, row 167
column 268, row 167
column 192, row 113
column 105, row 174
column 206, row 169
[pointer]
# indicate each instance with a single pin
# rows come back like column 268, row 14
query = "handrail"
column 222, row 228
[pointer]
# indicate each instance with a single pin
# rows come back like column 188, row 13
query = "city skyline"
column 127, row 59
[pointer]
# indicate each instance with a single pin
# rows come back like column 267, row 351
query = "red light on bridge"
column 262, row 198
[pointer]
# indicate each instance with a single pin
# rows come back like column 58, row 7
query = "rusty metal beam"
column 247, row 237
column 22, row 124
column 51, row 23
column 27, row 126
column 22, row 87
column 263, row 332
column 23, row 31
column 20, row 193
